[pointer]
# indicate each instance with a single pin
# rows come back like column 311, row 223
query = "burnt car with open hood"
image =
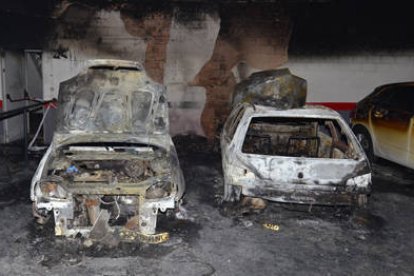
column 111, row 166
column 275, row 147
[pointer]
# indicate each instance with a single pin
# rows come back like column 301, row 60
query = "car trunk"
column 300, row 150
column 299, row 170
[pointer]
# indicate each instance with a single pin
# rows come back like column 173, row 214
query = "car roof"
column 377, row 91
column 395, row 84
column 310, row 111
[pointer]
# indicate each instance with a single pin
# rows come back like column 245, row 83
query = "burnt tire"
column 362, row 201
column 364, row 138
column 231, row 193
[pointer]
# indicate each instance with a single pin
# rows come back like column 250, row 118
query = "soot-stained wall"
column 199, row 52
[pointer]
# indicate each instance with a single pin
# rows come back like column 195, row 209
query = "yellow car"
column 383, row 123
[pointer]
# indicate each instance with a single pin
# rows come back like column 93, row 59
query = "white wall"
column 350, row 78
column 187, row 51
column 185, row 58
column 110, row 28
column 33, row 74
column 12, row 82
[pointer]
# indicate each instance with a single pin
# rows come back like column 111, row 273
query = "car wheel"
column 41, row 217
column 231, row 193
column 366, row 142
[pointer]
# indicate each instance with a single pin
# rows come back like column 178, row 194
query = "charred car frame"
column 304, row 155
column 111, row 166
column 276, row 148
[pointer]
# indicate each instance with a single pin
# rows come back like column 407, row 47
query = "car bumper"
column 143, row 228
column 329, row 194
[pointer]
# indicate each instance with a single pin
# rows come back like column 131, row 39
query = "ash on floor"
column 216, row 239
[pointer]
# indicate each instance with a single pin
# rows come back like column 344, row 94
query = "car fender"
column 39, row 172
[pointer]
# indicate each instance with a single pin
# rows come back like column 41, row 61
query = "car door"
column 410, row 157
column 391, row 119
column 228, row 132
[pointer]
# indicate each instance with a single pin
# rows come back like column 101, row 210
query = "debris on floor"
column 254, row 203
column 271, row 226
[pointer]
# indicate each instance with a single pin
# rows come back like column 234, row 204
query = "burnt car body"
column 111, row 166
column 383, row 123
column 278, row 88
column 276, row 148
column 305, row 155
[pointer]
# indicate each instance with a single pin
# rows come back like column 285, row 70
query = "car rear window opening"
column 297, row 137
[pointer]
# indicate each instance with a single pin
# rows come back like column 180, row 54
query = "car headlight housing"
column 159, row 190
column 161, row 165
column 50, row 188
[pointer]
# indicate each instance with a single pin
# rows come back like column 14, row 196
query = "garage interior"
column 200, row 50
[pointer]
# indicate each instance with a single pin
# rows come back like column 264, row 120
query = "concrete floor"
column 218, row 240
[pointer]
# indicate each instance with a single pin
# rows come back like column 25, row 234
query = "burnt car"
column 112, row 165
column 383, row 123
column 292, row 153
